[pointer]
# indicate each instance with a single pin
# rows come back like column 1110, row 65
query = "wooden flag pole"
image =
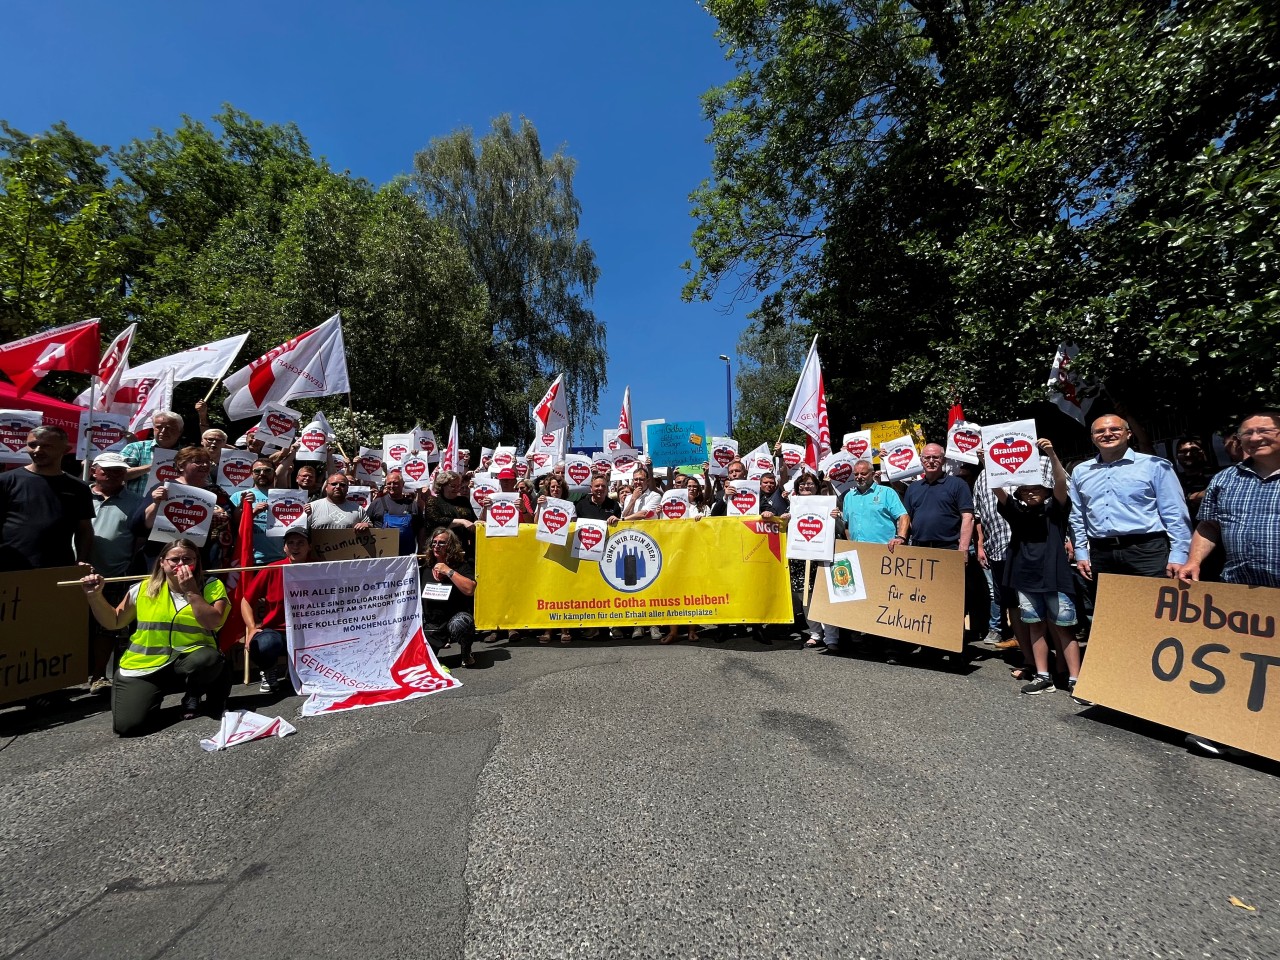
column 259, row 569
column 217, row 383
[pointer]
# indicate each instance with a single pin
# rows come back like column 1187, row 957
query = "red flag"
column 552, row 412
column 449, row 459
column 808, row 409
column 74, row 347
column 624, row 419
column 954, row 415
column 232, row 631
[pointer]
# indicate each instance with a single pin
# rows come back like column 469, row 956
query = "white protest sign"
column 286, row 509
column 162, row 468
column 554, row 518
column 521, row 467
column 811, row 532
column 963, row 442
column 844, row 578
column 552, row 442
column 602, row 462
column 899, row 459
column 313, row 440
column 434, row 590
column 858, row 445
column 425, row 443
column 625, row 458
column 675, row 504
column 482, row 485
column 354, row 629
column 792, row 454
column 416, row 470
column 577, row 472
column 395, row 447
column 503, row 516
column 278, row 426
column 611, row 441
column 486, row 457
column 360, row 495
column 234, row 471
column 14, row 427
column 109, row 431
column 724, row 450
column 1011, row 452
column 758, row 461
column 187, row 511
column 369, row 467
column 541, row 462
column 745, row 499
column 838, row 468
column 588, row 540
column 241, row 726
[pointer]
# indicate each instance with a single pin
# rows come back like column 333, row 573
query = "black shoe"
column 1071, row 689
column 758, row 633
column 1206, row 748
column 1038, row 686
column 831, row 651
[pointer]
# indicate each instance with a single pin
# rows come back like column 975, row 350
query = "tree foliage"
column 946, row 191
column 516, row 214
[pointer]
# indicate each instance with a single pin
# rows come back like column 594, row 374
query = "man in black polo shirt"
column 43, row 510
column 599, row 505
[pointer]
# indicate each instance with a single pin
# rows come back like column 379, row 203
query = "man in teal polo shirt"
column 874, row 513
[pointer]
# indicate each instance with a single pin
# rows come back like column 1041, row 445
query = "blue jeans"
column 459, row 629
column 266, row 648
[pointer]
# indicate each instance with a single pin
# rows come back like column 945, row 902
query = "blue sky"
column 371, row 83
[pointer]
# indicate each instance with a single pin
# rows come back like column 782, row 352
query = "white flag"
column 808, row 409
column 158, row 398
column 312, row 364
column 552, row 413
column 208, row 361
column 1068, row 392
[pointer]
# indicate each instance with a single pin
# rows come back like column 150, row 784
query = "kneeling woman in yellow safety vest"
column 179, row 612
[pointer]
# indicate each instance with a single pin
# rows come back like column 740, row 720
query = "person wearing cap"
column 113, row 553
column 262, row 608
column 506, row 478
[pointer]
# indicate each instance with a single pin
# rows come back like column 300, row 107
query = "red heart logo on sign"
column 548, row 439
column 540, row 459
column 624, row 464
column 313, row 440
column 674, row 509
column 1010, row 453
column 503, row 513
column 286, row 511
column 426, row 445
column 589, row 537
column 13, row 437
column 966, row 440
column 502, row 459
column 601, row 465
column 745, row 501
column 414, row 468
column 480, row 491
column 858, row 446
column 279, row 424
column 792, row 457
column 370, row 464
column 237, row 472
column 615, row 444
column 522, row 468
column 167, row 472
column 809, row 527
column 902, row 457
column 764, row 463
column 185, row 514
column 840, row 472
column 397, row 452
column 723, row 456
column 553, row 518
column 578, row 473
column 106, row 436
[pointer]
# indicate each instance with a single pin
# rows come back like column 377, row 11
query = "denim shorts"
column 1036, row 607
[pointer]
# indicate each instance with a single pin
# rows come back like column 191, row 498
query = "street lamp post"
column 728, row 392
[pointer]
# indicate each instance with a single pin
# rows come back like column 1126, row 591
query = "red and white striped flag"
column 808, row 409
column 552, row 411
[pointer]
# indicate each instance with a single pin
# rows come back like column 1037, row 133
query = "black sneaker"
column 1202, row 746
column 1038, row 686
column 1071, row 689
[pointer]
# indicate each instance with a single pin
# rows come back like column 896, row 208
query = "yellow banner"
column 717, row 570
column 882, row 431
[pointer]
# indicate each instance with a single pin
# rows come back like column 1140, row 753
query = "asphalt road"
column 618, row 800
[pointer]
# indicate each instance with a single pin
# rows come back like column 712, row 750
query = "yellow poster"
column 717, row 570
column 883, row 431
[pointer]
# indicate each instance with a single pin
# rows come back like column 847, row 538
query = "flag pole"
column 215, row 386
column 268, row 568
column 87, row 429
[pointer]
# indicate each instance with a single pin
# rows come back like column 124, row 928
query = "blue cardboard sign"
column 677, row 444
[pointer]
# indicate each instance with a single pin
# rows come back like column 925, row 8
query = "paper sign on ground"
column 162, row 468
column 186, row 512
column 397, row 446
column 241, row 726
column 278, row 426
column 588, row 540
column 745, row 499
column 724, row 450
column 1011, row 453
column 964, row 442
column 354, row 630
column 109, row 431
column 1203, row 658
column 675, row 504
column 577, row 472
column 503, row 518
column 676, row 443
column 286, row 509
column 913, row 594
column 234, row 471
column 14, row 427
column 858, row 445
column 900, row 459
column 811, row 532
column 554, row 517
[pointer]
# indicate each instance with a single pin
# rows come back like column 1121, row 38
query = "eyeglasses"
column 264, row 469
column 439, row 543
column 1260, row 432
column 179, row 561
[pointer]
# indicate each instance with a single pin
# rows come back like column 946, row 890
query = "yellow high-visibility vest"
column 163, row 631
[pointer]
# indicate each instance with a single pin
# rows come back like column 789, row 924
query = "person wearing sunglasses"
column 265, row 549
column 448, row 603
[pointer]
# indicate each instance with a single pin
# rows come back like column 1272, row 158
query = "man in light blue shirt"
column 1128, row 512
column 873, row 513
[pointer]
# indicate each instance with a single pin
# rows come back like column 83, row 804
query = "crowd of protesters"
column 1033, row 553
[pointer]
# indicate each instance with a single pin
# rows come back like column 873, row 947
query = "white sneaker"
column 655, row 633
column 637, row 633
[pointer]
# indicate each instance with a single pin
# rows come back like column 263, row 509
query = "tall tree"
column 515, row 212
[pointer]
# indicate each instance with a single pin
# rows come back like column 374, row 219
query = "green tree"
column 769, row 360
column 515, row 212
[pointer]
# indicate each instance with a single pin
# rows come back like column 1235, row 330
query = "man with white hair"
column 166, row 429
